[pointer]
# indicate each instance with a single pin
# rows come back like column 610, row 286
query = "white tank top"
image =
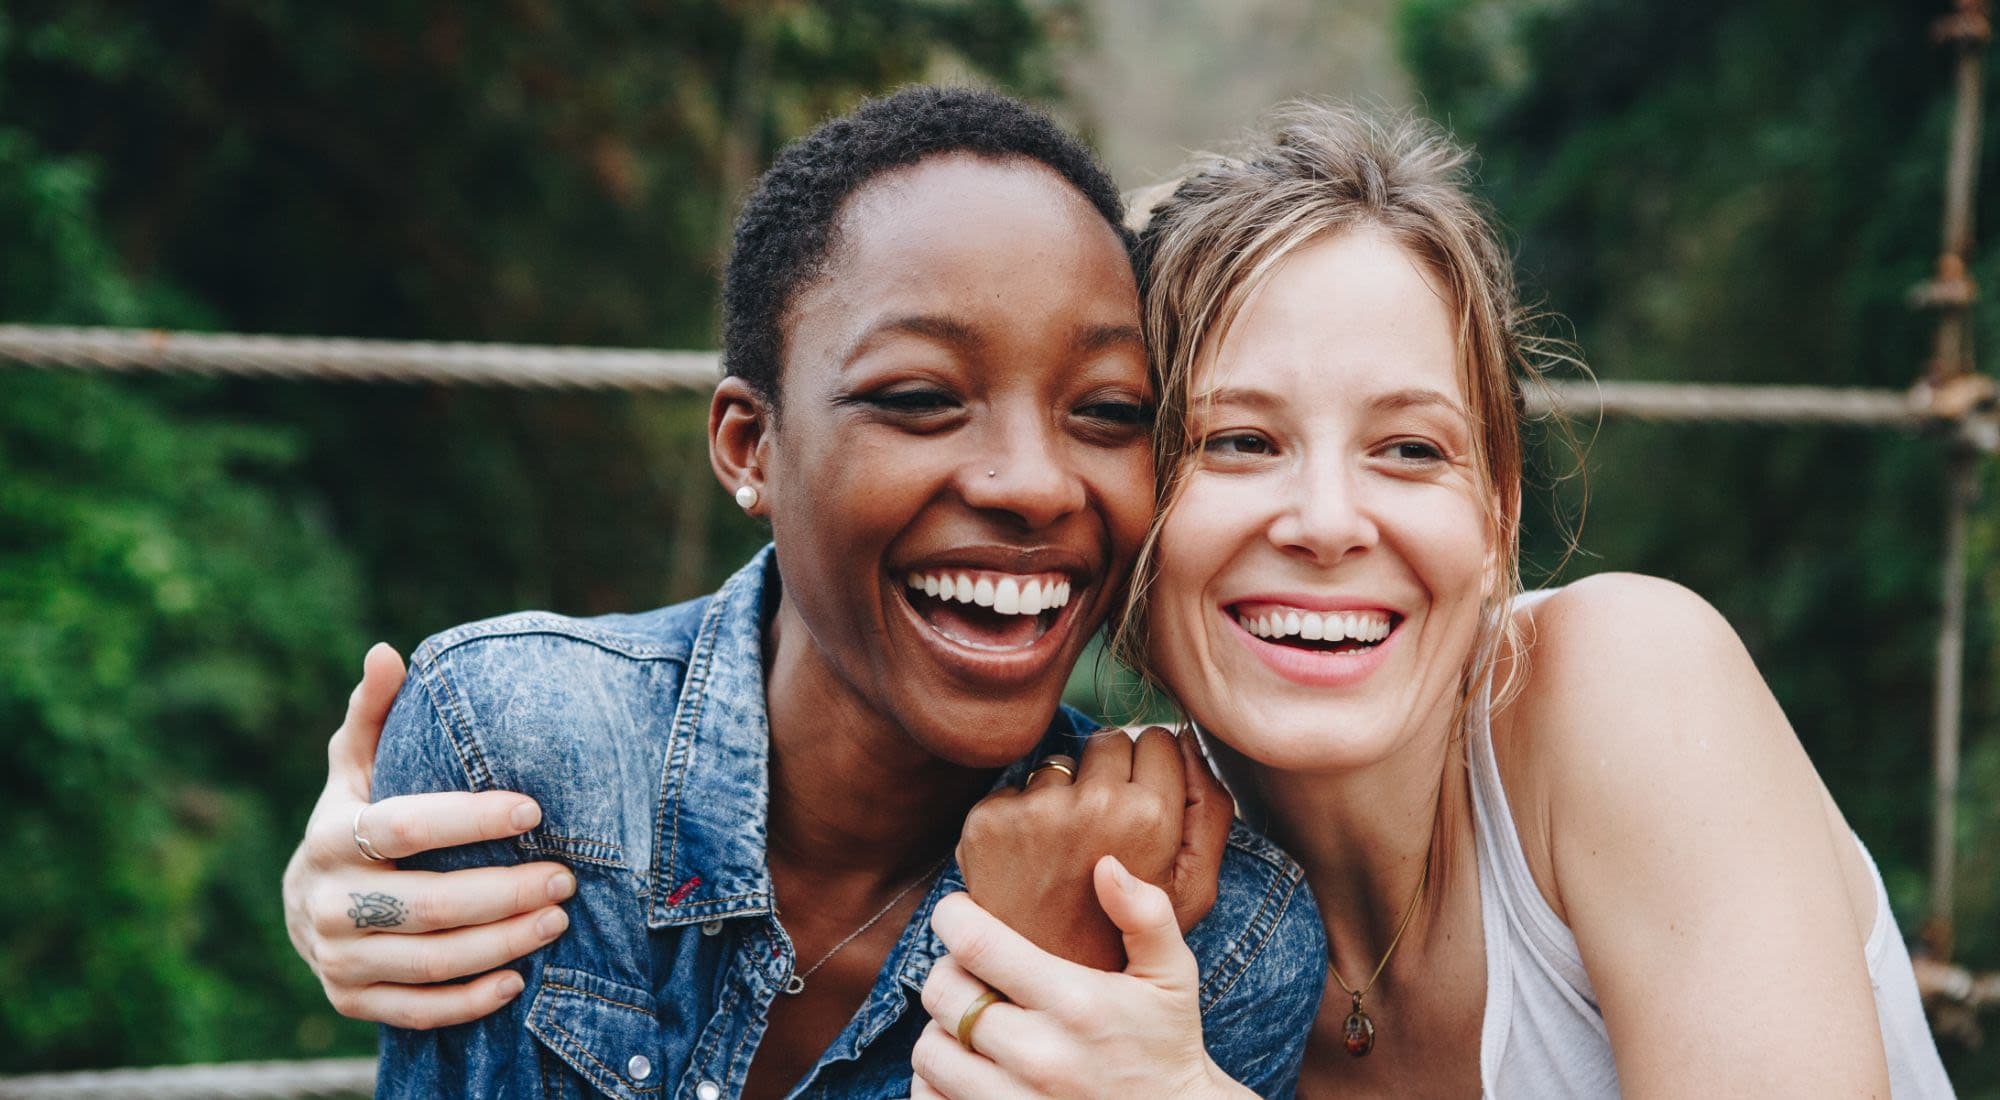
column 1544, row 1036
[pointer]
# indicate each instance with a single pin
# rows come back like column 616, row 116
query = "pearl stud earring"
column 746, row 497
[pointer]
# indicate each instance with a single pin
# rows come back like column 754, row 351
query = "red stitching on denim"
column 683, row 890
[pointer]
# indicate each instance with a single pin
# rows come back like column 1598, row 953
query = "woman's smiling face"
column 1321, row 576
column 959, row 473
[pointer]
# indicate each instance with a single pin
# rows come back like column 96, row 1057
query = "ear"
column 739, row 438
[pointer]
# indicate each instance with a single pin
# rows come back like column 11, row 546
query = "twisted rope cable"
column 513, row 365
column 536, row 367
column 323, row 1079
column 1672, row 401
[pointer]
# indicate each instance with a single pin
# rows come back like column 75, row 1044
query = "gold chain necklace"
column 796, row 984
column 1358, row 1032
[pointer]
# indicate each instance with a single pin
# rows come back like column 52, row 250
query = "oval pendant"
column 1358, row 1033
column 795, row 985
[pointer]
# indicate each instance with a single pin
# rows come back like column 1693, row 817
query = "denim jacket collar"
column 709, row 843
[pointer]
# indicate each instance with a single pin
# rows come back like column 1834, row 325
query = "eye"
column 1415, row 451
column 1126, row 414
column 912, row 400
column 1237, row 443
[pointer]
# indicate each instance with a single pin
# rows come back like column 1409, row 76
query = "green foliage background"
column 189, row 570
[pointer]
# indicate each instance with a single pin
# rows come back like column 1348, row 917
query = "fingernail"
column 509, row 986
column 552, row 924
column 1125, row 880
column 561, row 885
column 526, row 816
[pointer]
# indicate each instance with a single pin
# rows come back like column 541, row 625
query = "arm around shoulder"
column 1689, row 848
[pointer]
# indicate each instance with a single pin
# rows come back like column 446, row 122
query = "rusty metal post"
column 1954, row 384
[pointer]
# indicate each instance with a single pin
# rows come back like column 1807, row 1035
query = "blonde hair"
column 1317, row 171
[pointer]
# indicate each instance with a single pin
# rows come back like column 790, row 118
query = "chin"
column 1297, row 739
column 981, row 732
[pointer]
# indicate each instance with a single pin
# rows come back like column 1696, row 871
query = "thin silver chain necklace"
column 796, row 984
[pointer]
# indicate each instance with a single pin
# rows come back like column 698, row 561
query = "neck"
column 1365, row 838
column 851, row 793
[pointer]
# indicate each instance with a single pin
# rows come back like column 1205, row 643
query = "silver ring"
column 361, row 842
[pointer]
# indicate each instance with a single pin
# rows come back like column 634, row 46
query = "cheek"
column 1447, row 541
column 1197, row 540
column 1122, row 483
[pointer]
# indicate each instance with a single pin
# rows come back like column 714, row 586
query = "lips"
column 998, row 617
column 988, row 610
column 1315, row 642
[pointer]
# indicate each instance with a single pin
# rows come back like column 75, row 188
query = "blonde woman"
column 1563, row 844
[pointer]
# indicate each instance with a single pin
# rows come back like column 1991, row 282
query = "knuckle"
column 326, row 909
column 344, row 1001
column 431, row 967
column 409, row 833
column 427, row 911
column 975, row 949
column 926, row 1058
column 1047, row 1077
column 1096, row 803
column 336, row 966
column 423, row 1016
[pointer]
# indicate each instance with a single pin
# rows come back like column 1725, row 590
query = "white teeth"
column 1313, row 626
column 1007, row 595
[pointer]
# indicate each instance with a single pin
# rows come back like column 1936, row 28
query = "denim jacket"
column 644, row 738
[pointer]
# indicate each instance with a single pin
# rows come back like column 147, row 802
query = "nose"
column 1323, row 513
column 1023, row 470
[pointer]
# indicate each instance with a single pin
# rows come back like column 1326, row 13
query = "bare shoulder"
column 1686, row 839
column 1639, row 707
column 1621, row 662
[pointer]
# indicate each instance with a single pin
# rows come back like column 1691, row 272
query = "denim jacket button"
column 708, row 1090
column 639, row 1068
column 711, row 927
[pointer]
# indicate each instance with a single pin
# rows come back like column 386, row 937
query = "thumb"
column 351, row 753
column 1154, row 950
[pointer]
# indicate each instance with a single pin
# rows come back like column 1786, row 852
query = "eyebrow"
column 1415, row 397
column 927, row 326
column 946, row 330
column 1099, row 337
column 1393, row 401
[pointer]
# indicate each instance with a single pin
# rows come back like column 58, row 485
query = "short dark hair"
column 785, row 229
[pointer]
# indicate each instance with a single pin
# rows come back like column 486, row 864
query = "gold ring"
column 1058, row 763
column 361, row 842
column 979, row 1004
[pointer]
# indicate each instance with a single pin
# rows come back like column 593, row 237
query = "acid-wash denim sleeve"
column 419, row 754
column 1261, row 985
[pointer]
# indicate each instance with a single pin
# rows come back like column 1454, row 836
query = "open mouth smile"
column 988, row 611
column 1317, row 648
column 1317, row 631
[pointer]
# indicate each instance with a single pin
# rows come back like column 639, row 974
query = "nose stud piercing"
column 992, row 473
column 746, row 497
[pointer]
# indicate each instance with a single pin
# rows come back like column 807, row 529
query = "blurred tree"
column 182, row 593
column 1723, row 192
column 167, row 620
